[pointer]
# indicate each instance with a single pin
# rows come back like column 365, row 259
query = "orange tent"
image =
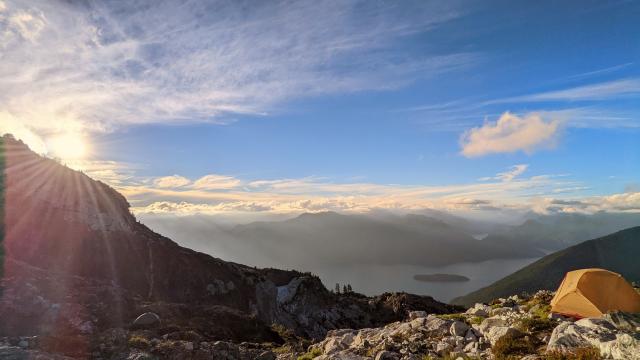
column 593, row 293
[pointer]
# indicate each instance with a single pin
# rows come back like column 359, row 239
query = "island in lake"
column 440, row 278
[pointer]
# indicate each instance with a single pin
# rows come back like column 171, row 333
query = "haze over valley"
column 381, row 252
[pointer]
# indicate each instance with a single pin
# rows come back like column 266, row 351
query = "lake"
column 374, row 280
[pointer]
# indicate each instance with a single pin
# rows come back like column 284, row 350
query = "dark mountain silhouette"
column 617, row 252
column 76, row 263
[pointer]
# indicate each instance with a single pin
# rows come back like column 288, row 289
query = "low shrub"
column 314, row 352
column 459, row 317
column 533, row 325
column 542, row 311
column 514, row 347
column 583, row 353
column 286, row 334
column 139, row 342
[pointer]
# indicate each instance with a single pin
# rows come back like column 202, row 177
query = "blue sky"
column 283, row 107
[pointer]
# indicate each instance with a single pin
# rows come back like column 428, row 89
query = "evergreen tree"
column 349, row 288
column 344, row 289
column 337, row 290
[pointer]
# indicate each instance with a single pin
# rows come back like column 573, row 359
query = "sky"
column 252, row 109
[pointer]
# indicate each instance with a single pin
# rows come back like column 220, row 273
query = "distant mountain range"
column 76, row 263
column 431, row 239
column 333, row 238
column 617, row 252
column 550, row 233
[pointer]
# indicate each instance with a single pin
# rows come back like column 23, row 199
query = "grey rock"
column 470, row 336
column 599, row 333
column 479, row 310
column 437, row 326
column 624, row 321
column 458, row 328
column 386, row 355
column 147, row 319
column 417, row 314
column 497, row 332
column 488, row 323
column 443, row 348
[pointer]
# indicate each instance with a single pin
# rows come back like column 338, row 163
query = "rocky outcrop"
column 78, row 264
column 514, row 327
column 613, row 339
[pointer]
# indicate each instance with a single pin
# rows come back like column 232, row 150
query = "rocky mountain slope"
column 78, row 267
column 510, row 328
column 616, row 252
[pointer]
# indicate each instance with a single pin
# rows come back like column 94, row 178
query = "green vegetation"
column 139, row 342
column 532, row 325
column 615, row 252
column 476, row 320
column 583, row 353
column 314, row 352
column 459, row 317
column 514, row 347
column 286, row 334
column 542, row 311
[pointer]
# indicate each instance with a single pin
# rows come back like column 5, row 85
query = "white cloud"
column 510, row 133
column 173, row 181
column 10, row 125
column 310, row 194
column 513, row 172
column 600, row 91
column 97, row 66
column 216, row 182
column 622, row 202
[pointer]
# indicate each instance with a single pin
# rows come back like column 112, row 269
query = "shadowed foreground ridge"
column 2, row 211
column 78, row 265
column 617, row 252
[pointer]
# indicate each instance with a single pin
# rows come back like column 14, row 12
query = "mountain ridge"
column 613, row 252
column 77, row 263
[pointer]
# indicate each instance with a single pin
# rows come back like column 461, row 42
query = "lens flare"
column 68, row 146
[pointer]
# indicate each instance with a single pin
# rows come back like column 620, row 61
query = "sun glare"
column 68, row 147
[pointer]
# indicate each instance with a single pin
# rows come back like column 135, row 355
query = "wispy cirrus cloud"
column 216, row 182
column 509, row 175
column 598, row 91
column 98, row 66
column 172, row 181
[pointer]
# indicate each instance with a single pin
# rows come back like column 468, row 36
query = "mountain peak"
column 72, row 244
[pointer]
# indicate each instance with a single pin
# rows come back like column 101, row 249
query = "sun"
column 68, row 146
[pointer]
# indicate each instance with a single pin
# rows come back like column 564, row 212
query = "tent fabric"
column 593, row 293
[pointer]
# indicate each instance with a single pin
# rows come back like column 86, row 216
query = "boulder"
column 488, row 323
column 470, row 336
column 417, row 314
column 624, row 321
column 497, row 332
column 599, row 333
column 147, row 319
column 479, row 310
column 436, row 326
column 458, row 328
column 386, row 355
